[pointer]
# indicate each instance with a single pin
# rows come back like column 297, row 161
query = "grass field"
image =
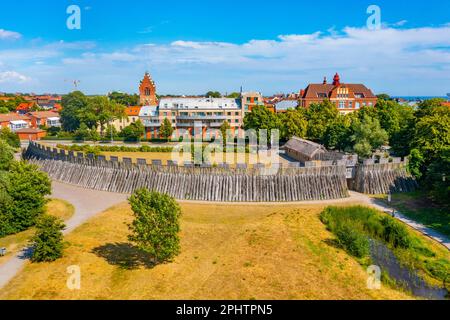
column 16, row 242
column 417, row 207
column 228, row 252
column 247, row 158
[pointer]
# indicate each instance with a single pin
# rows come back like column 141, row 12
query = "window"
column 341, row 104
column 359, row 95
column 228, row 113
column 357, row 105
column 147, row 91
column 322, row 95
column 350, row 104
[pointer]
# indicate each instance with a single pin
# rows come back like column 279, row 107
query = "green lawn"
column 417, row 207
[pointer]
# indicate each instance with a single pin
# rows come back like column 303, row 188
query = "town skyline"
column 187, row 53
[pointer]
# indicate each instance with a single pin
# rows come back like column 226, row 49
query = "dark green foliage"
column 213, row 94
column 166, row 129
column 356, row 243
column 156, row 225
column 98, row 149
column 320, row 116
column 73, row 104
column 48, row 241
column 354, row 225
column 6, row 155
column 124, row 98
column 134, row 132
column 27, row 187
column 10, row 137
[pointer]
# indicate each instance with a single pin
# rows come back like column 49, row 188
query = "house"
column 26, row 107
column 14, row 121
column 31, row 134
column 304, row 150
column 132, row 115
column 284, row 105
column 44, row 118
column 346, row 97
column 249, row 100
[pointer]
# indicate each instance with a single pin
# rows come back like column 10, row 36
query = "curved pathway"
column 87, row 204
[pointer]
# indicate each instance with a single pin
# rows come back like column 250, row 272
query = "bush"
column 156, row 225
column 354, row 242
column 48, row 241
column 10, row 137
column 6, row 155
column 395, row 233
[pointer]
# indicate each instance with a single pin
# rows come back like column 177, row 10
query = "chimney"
column 336, row 80
column 324, row 80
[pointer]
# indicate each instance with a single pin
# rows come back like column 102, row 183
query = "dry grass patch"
column 16, row 242
column 228, row 252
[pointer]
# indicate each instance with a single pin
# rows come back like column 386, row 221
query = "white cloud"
column 13, row 77
column 397, row 60
column 5, row 34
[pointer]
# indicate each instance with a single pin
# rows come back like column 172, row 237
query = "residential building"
column 32, row 134
column 285, row 105
column 132, row 115
column 249, row 100
column 14, row 121
column 44, row 119
column 346, row 97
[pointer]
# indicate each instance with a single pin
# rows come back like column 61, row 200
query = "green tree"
column 3, row 109
column 432, row 134
column 6, row 225
column 48, row 240
column 320, row 116
column 10, row 137
column 101, row 110
column 133, row 132
column 156, row 224
column 82, row 133
column 294, row 124
column 234, row 95
column 368, row 136
column 166, row 129
column 27, row 188
column 438, row 178
column 416, row 163
column 124, row 98
column 338, row 133
column 383, row 96
column 73, row 104
column 224, row 131
column 213, row 94
column 261, row 118
column 6, row 156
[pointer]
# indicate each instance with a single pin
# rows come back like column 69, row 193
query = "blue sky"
column 191, row 47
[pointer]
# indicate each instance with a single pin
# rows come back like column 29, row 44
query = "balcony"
column 151, row 123
column 200, row 117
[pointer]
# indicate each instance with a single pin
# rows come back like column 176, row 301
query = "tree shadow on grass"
column 125, row 255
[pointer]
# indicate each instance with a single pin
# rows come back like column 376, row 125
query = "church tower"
column 147, row 91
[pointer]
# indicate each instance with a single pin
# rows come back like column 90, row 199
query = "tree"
column 10, row 137
column 124, row 98
column 338, row 133
column 6, row 156
column 261, row 118
column 133, row 132
column 368, row 136
column 48, row 241
column 294, row 124
column 213, row 94
column 6, row 225
column 432, row 134
column 437, row 178
column 3, row 110
column 101, row 110
column 383, row 96
column 27, row 186
column 156, row 224
column 234, row 95
column 73, row 104
column 166, row 129
column 320, row 116
column 82, row 133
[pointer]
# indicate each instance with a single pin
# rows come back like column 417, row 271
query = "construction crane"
column 74, row 82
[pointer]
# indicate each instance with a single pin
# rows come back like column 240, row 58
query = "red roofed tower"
column 336, row 80
column 147, row 91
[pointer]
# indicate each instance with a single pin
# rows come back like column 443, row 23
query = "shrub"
column 10, row 137
column 6, row 155
column 395, row 233
column 356, row 243
column 48, row 241
column 439, row 269
column 156, row 225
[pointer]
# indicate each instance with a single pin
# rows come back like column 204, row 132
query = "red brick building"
column 347, row 97
column 147, row 91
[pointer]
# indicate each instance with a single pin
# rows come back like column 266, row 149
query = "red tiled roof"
column 29, row 131
column 43, row 114
column 25, row 106
column 314, row 90
column 12, row 117
column 133, row 111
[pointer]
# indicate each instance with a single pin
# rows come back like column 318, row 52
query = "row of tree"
column 422, row 133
